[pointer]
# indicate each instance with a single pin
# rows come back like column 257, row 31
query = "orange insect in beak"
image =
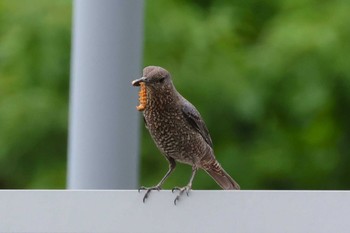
column 142, row 93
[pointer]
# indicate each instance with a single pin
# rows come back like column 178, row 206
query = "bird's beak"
column 137, row 82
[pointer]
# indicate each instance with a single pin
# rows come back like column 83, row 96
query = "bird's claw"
column 182, row 190
column 148, row 191
column 142, row 188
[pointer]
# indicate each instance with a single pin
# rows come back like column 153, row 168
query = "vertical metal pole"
column 106, row 57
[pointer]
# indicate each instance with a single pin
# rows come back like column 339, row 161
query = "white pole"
column 106, row 57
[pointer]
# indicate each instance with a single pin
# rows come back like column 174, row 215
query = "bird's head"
column 154, row 77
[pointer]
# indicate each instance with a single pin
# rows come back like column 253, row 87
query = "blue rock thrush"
column 177, row 129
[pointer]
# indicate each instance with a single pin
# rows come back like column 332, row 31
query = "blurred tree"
column 270, row 78
column 34, row 69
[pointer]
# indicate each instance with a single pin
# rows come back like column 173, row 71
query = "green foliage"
column 34, row 74
column 270, row 78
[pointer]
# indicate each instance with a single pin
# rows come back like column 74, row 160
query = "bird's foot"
column 186, row 189
column 148, row 191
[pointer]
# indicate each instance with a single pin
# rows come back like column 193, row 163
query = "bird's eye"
column 161, row 80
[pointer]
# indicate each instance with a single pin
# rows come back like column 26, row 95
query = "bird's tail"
column 221, row 177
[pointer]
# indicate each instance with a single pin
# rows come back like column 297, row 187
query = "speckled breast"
column 173, row 135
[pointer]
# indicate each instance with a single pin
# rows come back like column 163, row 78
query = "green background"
column 271, row 79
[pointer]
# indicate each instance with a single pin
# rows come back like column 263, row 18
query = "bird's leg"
column 187, row 188
column 172, row 165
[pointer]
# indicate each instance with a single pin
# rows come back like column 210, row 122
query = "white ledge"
column 202, row 211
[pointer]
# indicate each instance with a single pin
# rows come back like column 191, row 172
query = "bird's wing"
column 195, row 120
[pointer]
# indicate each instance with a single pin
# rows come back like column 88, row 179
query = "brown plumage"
column 178, row 130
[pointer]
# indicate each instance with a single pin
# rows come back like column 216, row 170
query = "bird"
column 178, row 131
